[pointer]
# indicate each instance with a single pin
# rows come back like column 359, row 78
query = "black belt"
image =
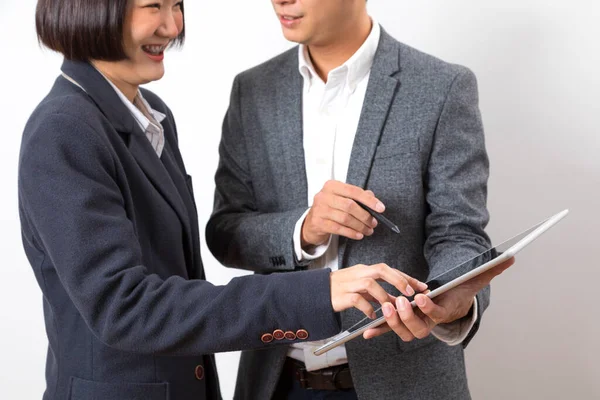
column 331, row 378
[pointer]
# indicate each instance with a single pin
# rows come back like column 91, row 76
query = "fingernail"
column 374, row 222
column 410, row 291
column 401, row 303
column 420, row 301
column 422, row 286
column 373, row 315
column 380, row 207
column 387, row 310
column 371, row 231
column 359, row 236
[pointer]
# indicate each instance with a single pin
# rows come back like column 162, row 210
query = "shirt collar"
column 355, row 68
column 139, row 116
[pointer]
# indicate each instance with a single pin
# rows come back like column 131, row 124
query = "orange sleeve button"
column 302, row 334
column 278, row 334
column 267, row 338
column 289, row 335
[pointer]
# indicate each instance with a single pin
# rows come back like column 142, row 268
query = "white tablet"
column 454, row 277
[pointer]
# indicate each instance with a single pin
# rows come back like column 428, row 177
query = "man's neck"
column 330, row 56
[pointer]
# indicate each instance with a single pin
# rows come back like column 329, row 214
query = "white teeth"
column 155, row 50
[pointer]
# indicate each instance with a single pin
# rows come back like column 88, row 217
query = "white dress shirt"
column 147, row 118
column 331, row 112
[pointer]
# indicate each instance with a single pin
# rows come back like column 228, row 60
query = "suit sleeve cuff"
column 301, row 254
column 455, row 332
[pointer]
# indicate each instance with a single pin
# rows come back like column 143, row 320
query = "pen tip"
column 395, row 229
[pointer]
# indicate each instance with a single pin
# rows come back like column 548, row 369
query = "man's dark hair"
column 84, row 30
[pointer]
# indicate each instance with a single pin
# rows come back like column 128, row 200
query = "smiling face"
column 318, row 22
column 150, row 26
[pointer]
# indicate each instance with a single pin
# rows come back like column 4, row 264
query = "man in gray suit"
column 351, row 115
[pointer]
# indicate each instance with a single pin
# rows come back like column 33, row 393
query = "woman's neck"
column 110, row 72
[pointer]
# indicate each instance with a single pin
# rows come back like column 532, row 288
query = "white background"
column 537, row 63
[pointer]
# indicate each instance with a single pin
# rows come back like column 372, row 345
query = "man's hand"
column 448, row 307
column 357, row 286
column 334, row 211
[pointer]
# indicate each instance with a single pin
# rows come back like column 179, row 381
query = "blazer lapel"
column 102, row 93
column 380, row 94
column 185, row 197
column 289, row 143
column 155, row 171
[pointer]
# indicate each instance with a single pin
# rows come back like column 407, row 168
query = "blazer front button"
column 289, row 335
column 302, row 334
column 267, row 338
column 278, row 334
column 199, row 372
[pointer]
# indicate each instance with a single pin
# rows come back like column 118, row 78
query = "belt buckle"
column 332, row 376
column 335, row 380
column 302, row 377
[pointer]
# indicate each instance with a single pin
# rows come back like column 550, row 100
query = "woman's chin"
column 152, row 75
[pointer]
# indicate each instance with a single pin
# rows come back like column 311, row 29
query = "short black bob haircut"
column 84, row 30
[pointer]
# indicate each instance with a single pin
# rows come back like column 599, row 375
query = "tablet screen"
column 477, row 261
column 452, row 274
column 450, row 278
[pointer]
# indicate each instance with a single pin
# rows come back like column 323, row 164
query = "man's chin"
column 294, row 36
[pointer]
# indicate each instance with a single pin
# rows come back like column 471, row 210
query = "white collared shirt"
column 331, row 112
column 147, row 118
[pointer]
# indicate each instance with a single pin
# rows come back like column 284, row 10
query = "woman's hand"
column 358, row 285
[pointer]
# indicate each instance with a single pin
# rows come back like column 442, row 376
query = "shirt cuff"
column 315, row 252
column 455, row 332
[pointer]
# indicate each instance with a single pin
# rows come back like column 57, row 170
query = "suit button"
column 278, row 334
column 199, row 372
column 302, row 334
column 289, row 335
column 267, row 338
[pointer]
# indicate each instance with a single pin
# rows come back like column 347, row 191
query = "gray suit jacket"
column 419, row 146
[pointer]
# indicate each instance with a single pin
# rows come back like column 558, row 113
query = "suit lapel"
column 156, row 172
column 381, row 91
column 100, row 91
column 380, row 94
column 288, row 103
column 186, row 199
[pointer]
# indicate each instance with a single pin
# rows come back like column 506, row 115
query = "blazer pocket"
column 397, row 147
column 82, row 389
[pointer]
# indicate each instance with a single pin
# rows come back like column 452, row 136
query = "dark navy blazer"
column 111, row 232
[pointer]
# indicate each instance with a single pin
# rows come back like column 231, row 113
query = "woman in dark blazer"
column 110, row 227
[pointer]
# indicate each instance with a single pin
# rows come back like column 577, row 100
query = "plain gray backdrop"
column 537, row 64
